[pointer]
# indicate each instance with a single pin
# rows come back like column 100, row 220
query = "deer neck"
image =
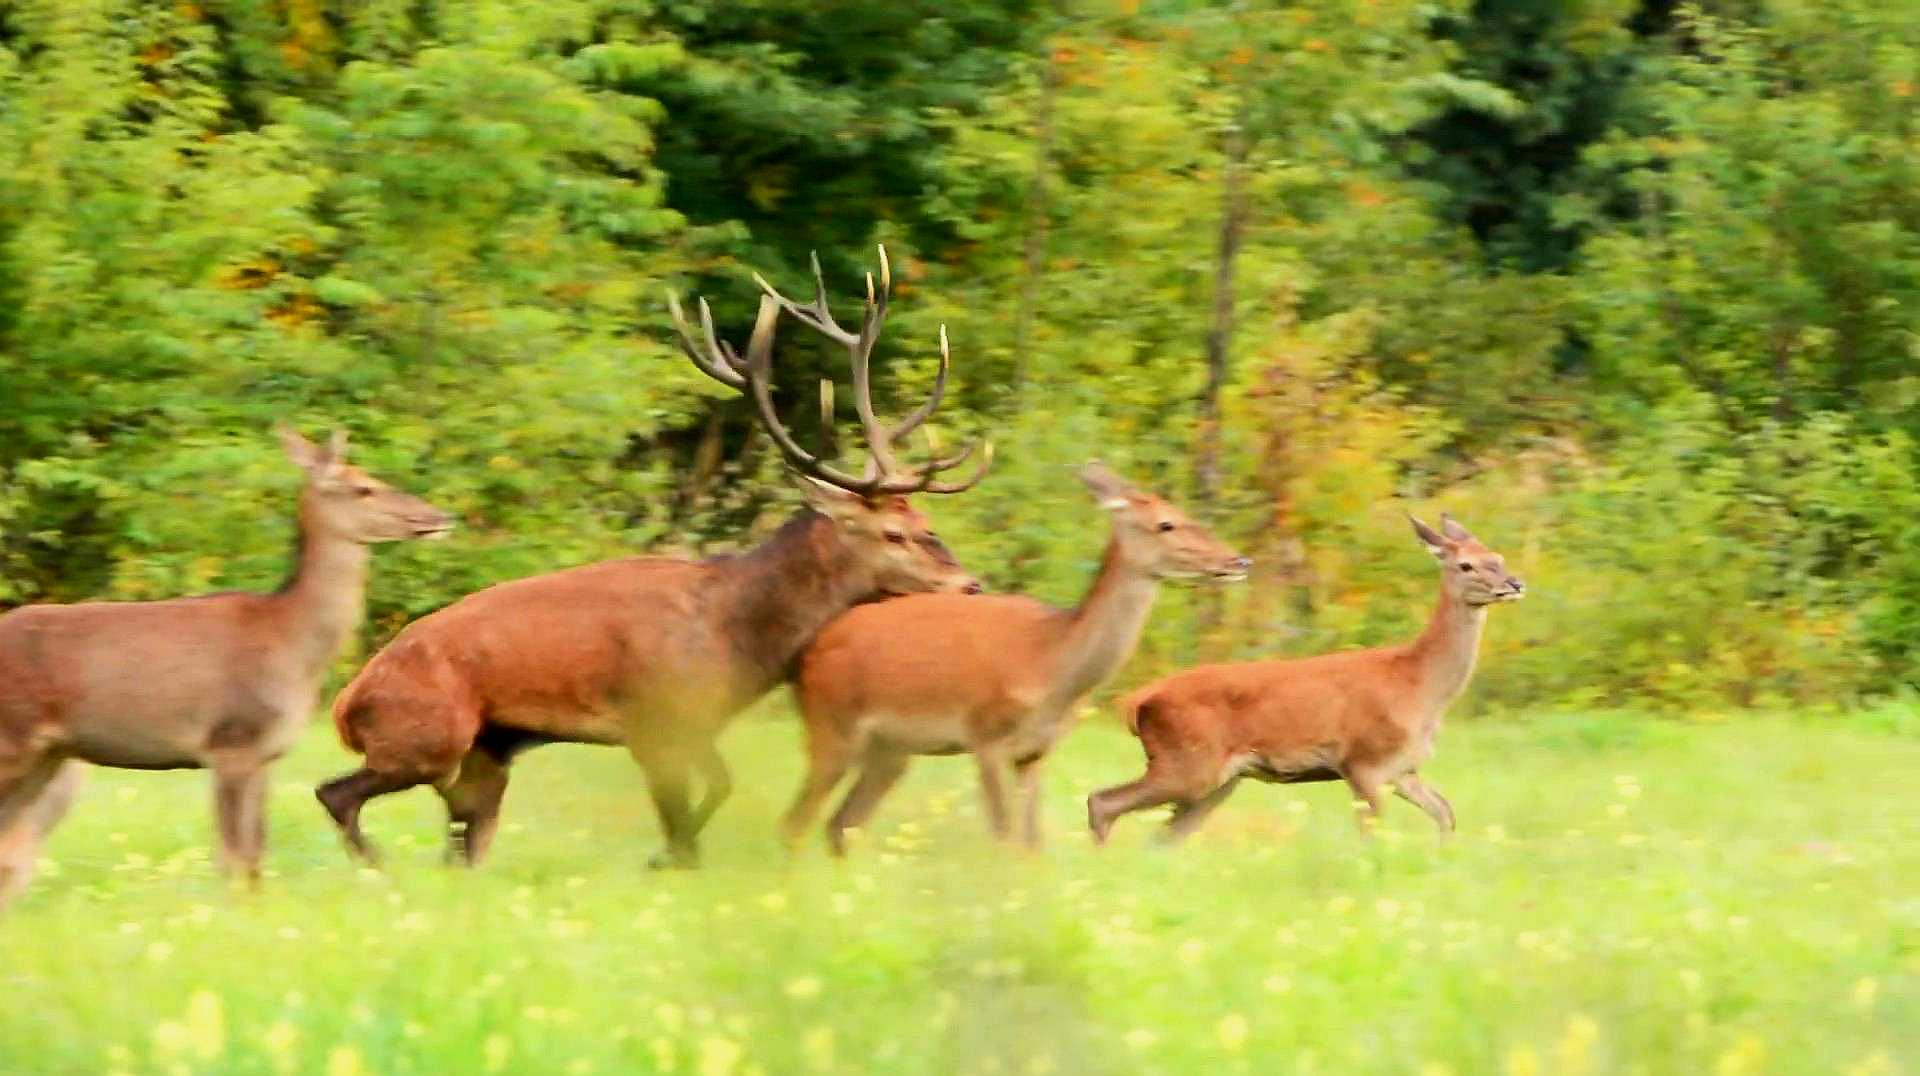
column 1446, row 650
column 1104, row 628
column 778, row 596
column 322, row 601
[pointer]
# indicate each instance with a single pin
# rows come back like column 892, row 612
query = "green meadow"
column 1625, row 894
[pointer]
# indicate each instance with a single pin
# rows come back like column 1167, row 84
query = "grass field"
column 1625, row 895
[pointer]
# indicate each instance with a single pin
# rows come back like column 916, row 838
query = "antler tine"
column 826, row 417
column 815, row 315
column 948, row 463
column 820, row 289
column 925, row 410
column 758, row 381
column 719, row 361
column 879, row 439
column 926, row 484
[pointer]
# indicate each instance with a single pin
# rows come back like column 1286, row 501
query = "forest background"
column 1629, row 286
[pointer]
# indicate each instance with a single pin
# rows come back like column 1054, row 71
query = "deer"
column 1367, row 717
column 220, row 682
column 997, row 676
column 653, row 653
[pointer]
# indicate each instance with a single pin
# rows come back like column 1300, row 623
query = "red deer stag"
column 1366, row 717
column 651, row 653
column 223, row 682
column 995, row 675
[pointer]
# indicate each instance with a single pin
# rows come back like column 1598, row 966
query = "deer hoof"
column 674, row 859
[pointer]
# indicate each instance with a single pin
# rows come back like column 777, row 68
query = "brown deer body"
column 650, row 653
column 224, row 682
column 997, row 676
column 1366, row 717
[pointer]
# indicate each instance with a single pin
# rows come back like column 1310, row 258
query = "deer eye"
column 1166, row 525
column 896, row 537
column 1466, row 567
column 363, row 491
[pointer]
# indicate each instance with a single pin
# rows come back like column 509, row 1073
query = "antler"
column 883, row 472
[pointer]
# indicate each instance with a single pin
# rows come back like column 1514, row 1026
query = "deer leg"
column 1366, row 799
column 1028, row 775
column 1424, row 796
column 344, row 796
column 993, row 791
column 21, row 783
column 718, row 781
column 668, row 785
column 34, row 816
column 878, row 774
column 828, row 757
column 1188, row 816
column 239, row 794
column 473, row 805
column 1105, row 806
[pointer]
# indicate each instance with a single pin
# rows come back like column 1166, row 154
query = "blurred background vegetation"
column 1627, row 285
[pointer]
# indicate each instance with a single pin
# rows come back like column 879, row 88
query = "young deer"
column 1367, row 717
column 223, row 682
column 994, row 675
column 654, row 654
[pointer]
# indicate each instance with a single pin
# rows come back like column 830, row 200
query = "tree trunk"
column 1033, row 257
column 1220, row 338
column 1220, row 333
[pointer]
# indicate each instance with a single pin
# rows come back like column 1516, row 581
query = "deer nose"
column 972, row 587
column 432, row 524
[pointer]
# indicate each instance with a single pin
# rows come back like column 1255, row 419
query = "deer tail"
column 343, row 707
column 1131, row 705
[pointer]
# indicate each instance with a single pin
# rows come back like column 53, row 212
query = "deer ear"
column 1109, row 491
column 1452, row 529
column 828, row 499
column 1435, row 544
column 337, row 446
column 306, row 455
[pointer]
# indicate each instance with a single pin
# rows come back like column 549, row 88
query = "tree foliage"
column 1627, row 285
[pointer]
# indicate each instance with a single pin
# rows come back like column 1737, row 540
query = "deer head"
column 1159, row 538
column 892, row 539
column 885, row 533
column 344, row 501
column 1470, row 572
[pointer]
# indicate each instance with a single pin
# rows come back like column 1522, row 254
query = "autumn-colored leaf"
column 295, row 312
column 247, row 276
column 1365, row 195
